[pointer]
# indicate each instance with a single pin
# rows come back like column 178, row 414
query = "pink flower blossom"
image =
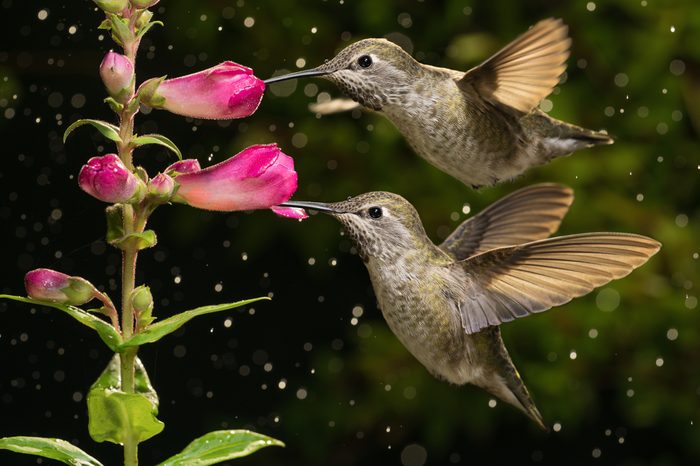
column 183, row 166
column 259, row 177
column 107, row 178
column 225, row 91
column 50, row 285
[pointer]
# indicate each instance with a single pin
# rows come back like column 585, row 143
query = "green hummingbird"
column 445, row 303
column 482, row 126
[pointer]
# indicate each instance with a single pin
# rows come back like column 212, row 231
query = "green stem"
column 133, row 222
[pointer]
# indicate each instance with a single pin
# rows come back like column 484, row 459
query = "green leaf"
column 160, row 329
column 144, row 240
column 114, row 415
column 105, row 24
column 147, row 28
column 106, row 332
column 114, row 105
column 115, row 223
column 108, row 130
column 120, row 29
column 221, row 445
column 53, row 448
column 157, row 139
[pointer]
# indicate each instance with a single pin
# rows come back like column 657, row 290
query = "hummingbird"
column 445, row 303
column 482, row 126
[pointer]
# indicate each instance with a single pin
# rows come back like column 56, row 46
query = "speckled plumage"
column 445, row 303
column 458, row 121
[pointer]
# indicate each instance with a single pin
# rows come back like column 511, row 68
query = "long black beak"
column 319, row 206
column 299, row 74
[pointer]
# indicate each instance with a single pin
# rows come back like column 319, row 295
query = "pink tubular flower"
column 223, row 92
column 108, row 179
column 117, row 73
column 50, row 285
column 259, row 177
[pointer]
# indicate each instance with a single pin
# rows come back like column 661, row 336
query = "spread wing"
column 513, row 282
column 526, row 215
column 525, row 71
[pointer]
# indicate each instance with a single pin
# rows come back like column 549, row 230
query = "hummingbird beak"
column 299, row 74
column 318, row 206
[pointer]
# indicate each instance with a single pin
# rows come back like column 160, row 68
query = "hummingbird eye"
column 375, row 212
column 365, row 61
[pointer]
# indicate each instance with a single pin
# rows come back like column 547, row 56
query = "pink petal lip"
column 259, row 177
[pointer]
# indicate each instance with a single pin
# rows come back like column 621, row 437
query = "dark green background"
column 367, row 398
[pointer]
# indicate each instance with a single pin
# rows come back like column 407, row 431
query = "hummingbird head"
column 384, row 226
column 373, row 72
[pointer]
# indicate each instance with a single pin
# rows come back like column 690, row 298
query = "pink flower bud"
column 117, row 73
column 161, row 187
column 108, row 179
column 49, row 285
column 183, row 166
column 143, row 3
column 259, row 177
column 225, row 91
column 112, row 6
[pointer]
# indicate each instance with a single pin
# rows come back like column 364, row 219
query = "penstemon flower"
column 225, row 91
column 259, row 177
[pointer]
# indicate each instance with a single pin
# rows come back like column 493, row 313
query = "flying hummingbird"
column 482, row 126
column 445, row 303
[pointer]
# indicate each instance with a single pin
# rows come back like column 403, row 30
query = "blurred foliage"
column 617, row 370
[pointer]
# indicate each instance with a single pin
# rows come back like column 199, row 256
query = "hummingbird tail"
column 506, row 383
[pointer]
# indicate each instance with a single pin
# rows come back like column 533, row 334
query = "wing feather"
column 515, row 281
column 526, row 215
column 525, row 71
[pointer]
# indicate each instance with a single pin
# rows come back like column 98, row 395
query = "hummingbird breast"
column 460, row 134
column 417, row 299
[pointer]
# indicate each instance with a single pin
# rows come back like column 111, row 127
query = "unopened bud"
column 112, row 6
column 50, row 285
column 117, row 73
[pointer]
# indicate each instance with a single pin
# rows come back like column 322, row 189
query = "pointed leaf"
column 114, row 105
column 115, row 415
column 53, row 448
column 108, row 130
column 106, row 332
column 147, row 27
column 157, row 139
column 160, row 329
column 115, row 223
column 120, row 28
column 221, row 445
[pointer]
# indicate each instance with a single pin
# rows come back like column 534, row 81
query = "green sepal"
column 108, row 130
column 120, row 29
column 53, row 448
column 116, row 416
column 115, row 223
column 147, row 92
column 107, row 333
column 137, row 241
column 164, row 327
column 133, row 104
column 147, row 27
column 221, row 445
column 141, row 173
column 114, row 105
column 156, row 139
column 105, row 24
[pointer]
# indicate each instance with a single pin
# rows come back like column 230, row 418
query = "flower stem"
column 133, row 223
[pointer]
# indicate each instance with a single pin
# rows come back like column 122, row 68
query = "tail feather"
column 505, row 381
